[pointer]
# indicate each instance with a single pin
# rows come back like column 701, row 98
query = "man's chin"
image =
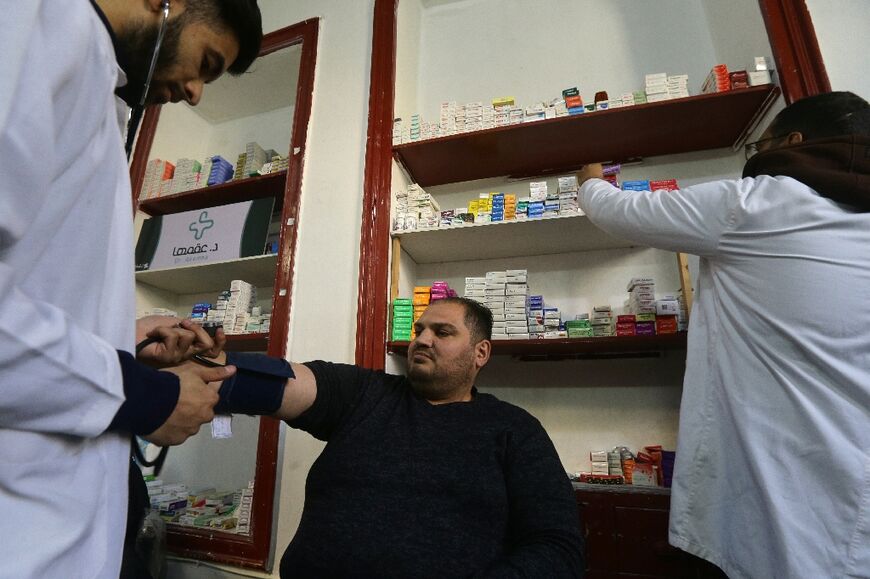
column 419, row 375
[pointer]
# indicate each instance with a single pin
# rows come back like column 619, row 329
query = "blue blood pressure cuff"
column 257, row 387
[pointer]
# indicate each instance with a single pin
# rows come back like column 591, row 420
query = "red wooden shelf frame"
column 801, row 73
column 247, row 342
column 695, row 123
column 603, row 347
column 271, row 185
column 251, row 551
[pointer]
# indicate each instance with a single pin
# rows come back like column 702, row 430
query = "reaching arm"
column 545, row 538
column 690, row 220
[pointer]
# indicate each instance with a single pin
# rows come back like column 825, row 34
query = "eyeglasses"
column 750, row 149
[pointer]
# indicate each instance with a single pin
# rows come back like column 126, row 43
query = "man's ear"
column 482, row 352
column 155, row 5
column 795, row 137
column 176, row 7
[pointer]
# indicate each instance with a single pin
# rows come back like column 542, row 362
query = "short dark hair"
column 830, row 114
column 241, row 17
column 478, row 318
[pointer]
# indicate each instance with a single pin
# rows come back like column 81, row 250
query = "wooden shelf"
column 695, row 123
column 212, row 277
column 271, row 185
column 581, row 489
column 247, row 342
column 609, row 347
column 541, row 236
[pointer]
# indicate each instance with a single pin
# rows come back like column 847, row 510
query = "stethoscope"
column 132, row 126
column 136, row 112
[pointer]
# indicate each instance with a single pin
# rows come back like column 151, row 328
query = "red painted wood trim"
column 374, row 260
column 253, row 551
column 140, row 153
column 795, row 47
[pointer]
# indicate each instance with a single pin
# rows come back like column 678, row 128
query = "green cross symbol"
column 200, row 227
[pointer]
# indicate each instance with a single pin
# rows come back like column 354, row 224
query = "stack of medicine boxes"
column 568, row 190
column 510, row 207
column 598, row 458
column 221, row 171
column 448, row 119
column 602, row 321
column 536, row 317
column 156, row 172
column 403, row 320
column 420, row 301
column 506, row 294
column 641, row 303
column 502, row 107
column 552, row 320
column 496, row 212
column 494, row 299
column 579, row 327
column 187, row 175
column 242, row 298
column 573, row 101
column 537, row 198
column 515, row 304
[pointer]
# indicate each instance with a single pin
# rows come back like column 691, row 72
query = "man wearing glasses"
column 773, row 461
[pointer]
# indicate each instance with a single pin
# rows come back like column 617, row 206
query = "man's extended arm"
column 266, row 386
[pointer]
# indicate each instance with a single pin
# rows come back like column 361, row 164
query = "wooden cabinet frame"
column 801, row 73
column 254, row 551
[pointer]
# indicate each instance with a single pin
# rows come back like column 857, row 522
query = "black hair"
column 241, row 17
column 478, row 318
column 830, row 114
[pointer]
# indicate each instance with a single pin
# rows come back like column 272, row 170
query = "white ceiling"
column 269, row 84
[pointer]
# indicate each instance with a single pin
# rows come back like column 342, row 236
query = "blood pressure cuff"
column 257, row 387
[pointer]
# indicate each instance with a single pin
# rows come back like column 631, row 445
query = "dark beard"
column 137, row 45
column 442, row 385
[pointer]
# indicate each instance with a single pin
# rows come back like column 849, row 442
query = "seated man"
column 422, row 476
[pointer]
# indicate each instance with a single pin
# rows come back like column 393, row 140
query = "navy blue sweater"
column 405, row 488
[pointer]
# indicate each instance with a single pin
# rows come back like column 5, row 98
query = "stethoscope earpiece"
column 136, row 112
column 165, row 7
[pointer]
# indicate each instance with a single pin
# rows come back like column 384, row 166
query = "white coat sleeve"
column 55, row 377
column 690, row 220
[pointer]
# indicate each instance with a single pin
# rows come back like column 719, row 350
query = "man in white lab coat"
column 71, row 392
column 772, row 477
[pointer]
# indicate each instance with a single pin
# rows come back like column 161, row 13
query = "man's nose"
column 424, row 338
column 193, row 91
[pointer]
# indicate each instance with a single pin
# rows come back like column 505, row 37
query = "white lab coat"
column 66, row 294
column 772, row 477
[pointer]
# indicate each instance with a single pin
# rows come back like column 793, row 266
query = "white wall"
column 843, row 30
column 737, row 32
column 182, row 133
column 475, row 50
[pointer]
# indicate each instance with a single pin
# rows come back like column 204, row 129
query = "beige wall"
column 842, row 29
